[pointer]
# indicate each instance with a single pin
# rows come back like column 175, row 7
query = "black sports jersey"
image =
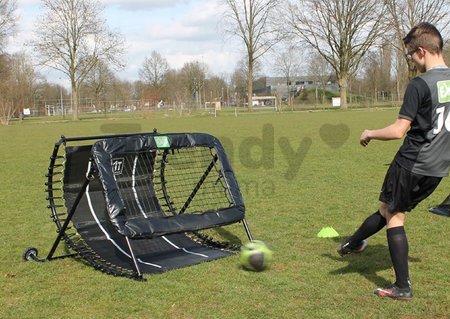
column 426, row 148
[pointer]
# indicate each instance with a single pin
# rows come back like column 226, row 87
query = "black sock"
column 373, row 224
column 398, row 248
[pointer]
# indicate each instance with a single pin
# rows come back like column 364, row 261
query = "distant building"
column 279, row 85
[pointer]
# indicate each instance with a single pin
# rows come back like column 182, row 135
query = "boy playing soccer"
column 422, row 160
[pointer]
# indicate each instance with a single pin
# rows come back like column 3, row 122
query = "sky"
column 180, row 30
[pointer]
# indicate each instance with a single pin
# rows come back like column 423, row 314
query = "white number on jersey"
column 440, row 111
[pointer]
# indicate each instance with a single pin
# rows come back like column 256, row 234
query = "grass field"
column 304, row 171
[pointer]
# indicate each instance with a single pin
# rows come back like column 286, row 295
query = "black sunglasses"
column 409, row 55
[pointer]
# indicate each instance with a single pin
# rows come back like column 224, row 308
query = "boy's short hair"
column 424, row 35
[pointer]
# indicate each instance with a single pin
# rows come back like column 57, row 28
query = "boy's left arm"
column 392, row 132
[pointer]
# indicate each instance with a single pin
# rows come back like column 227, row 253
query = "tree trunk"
column 323, row 95
column 343, row 90
column 250, row 89
column 74, row 101
column 289, row 93
column 397, row 88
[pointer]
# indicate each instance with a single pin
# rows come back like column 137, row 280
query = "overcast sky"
column 181, row 30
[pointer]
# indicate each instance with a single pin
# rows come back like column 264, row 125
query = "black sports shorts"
column 403, row 190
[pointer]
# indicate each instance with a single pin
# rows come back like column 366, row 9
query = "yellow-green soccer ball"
column 255, row 256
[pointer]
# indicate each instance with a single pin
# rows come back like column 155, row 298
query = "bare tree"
column 153, row 74
column 8, row 20
column 6, row 103
column 340, row 31
column 7, row 26
column 121, row 92
column 288, row 63
column 250, row 20
column 174, row 91
column 215, row 87
column 154, row 69
column 238, row 85
column 194, row 76
column 320, row 70
column 376, row 72
column 6, row 106
column 98, row 80
column 23, row 81
column 18, row 82
column 405, row 14
column 71, row 37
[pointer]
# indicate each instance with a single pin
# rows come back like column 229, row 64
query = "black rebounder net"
column 158, row 197
column 190, row 177
column 165, row 183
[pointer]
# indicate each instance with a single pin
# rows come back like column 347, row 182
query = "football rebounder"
column 142, row 203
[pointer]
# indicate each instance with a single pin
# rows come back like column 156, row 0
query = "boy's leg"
column 398, row 249
column 375, row 222
column 372, row 225
column 356, row 243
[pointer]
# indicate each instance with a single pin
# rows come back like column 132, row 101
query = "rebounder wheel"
column 30, row 254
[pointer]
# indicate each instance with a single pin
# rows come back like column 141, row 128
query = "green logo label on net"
column 443, row 91
column 162, row 141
